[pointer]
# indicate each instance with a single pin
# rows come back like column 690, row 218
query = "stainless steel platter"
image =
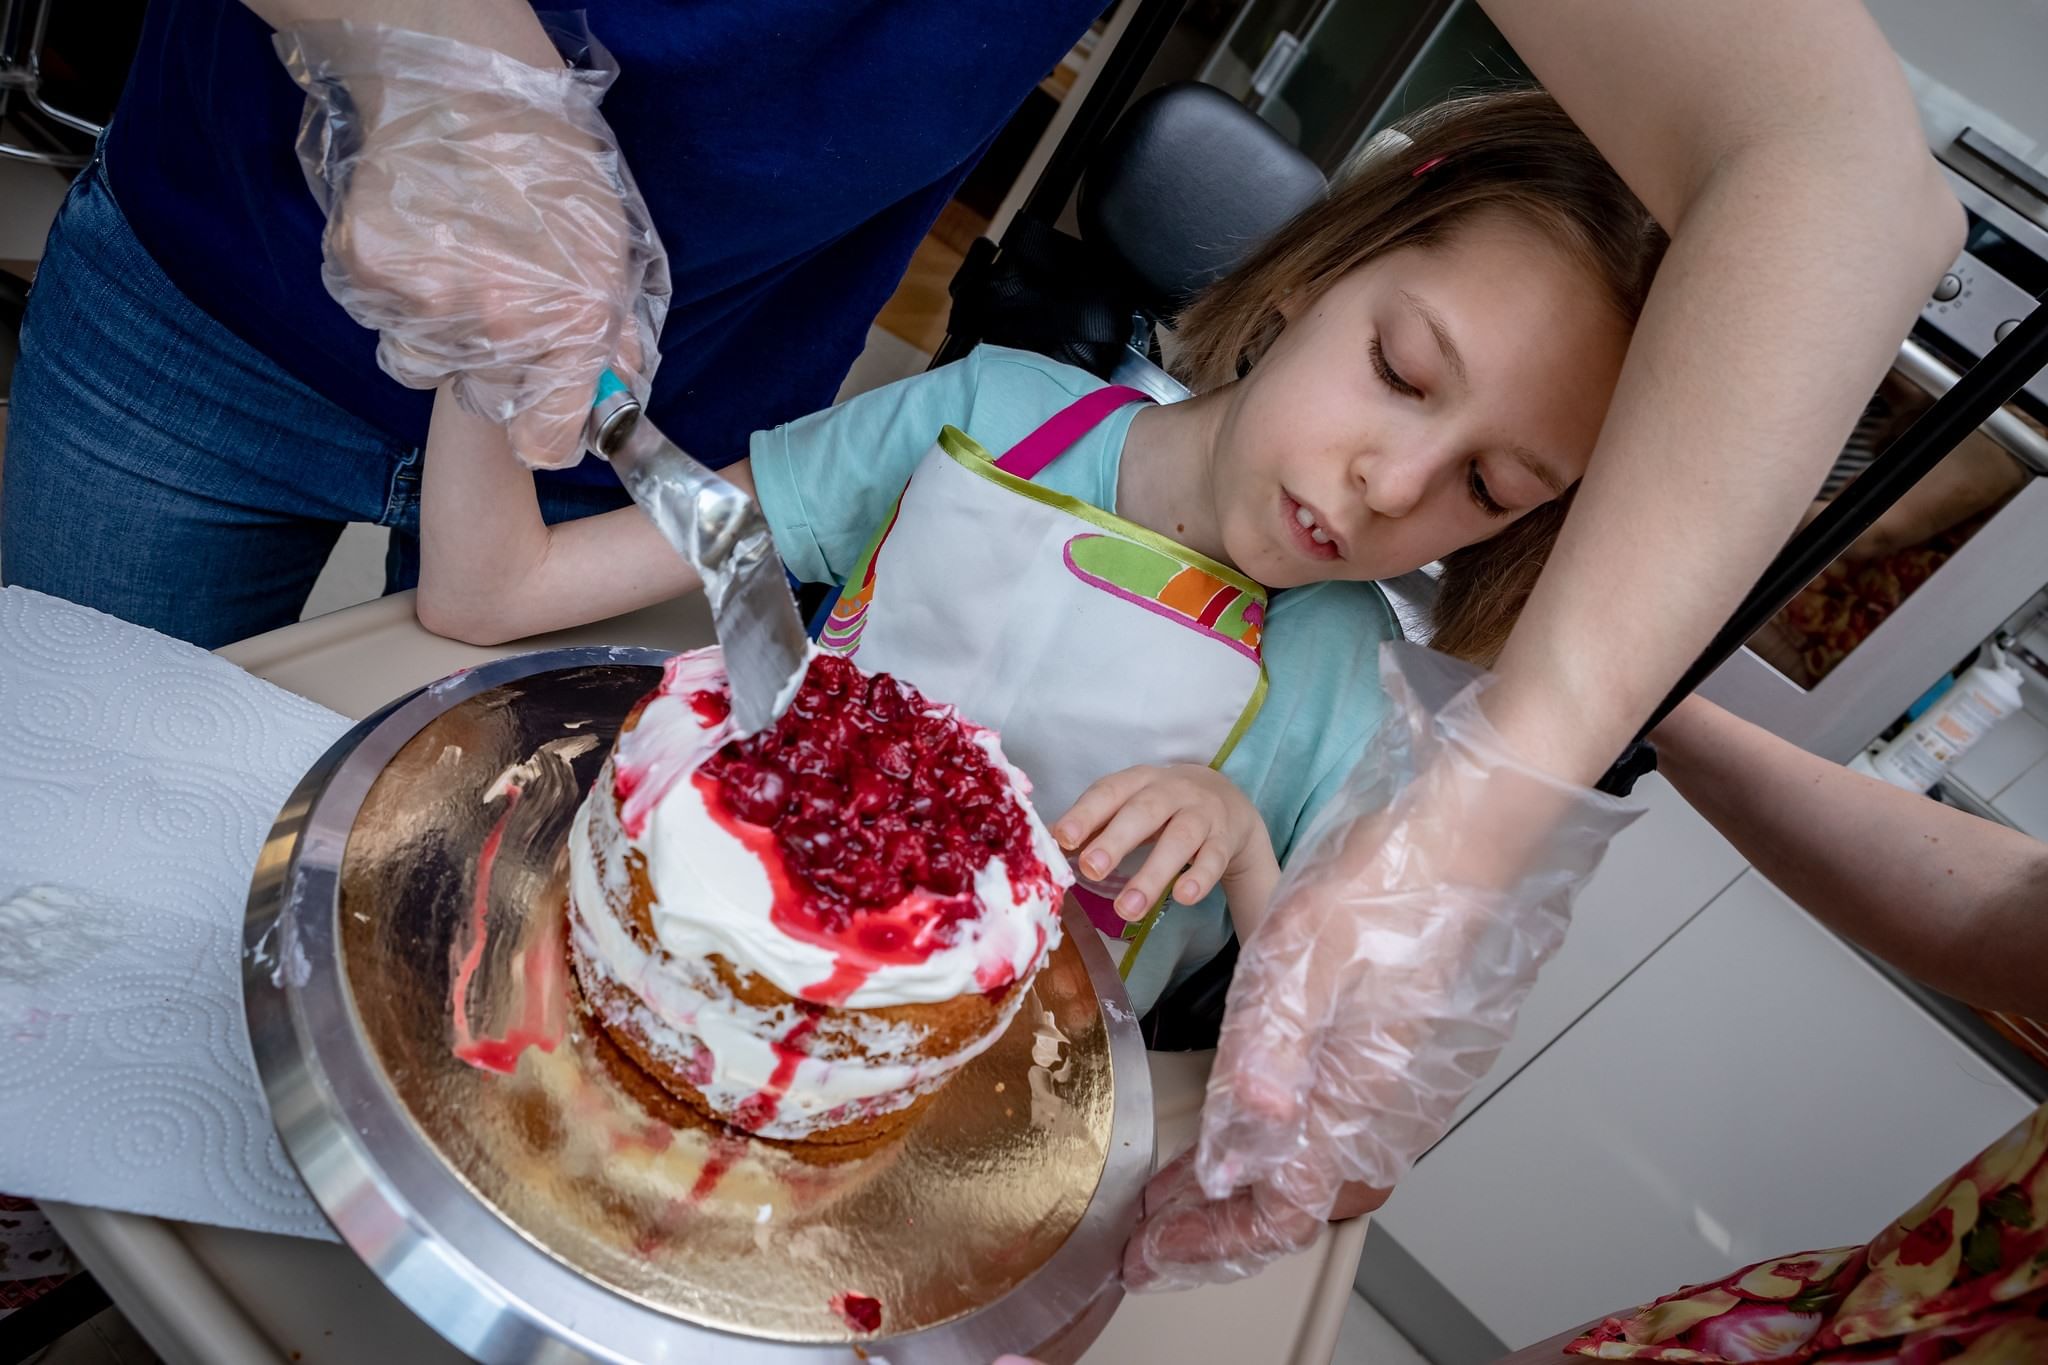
column 452, row 1115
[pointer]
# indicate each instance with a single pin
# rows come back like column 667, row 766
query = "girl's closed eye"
column 1387, row 373
column 1476, row 481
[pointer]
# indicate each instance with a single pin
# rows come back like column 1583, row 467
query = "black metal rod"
column 1982, row 390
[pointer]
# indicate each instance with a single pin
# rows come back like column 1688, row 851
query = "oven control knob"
column 1949, row 287
column 2004, row 329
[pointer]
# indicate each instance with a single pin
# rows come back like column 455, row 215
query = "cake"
column 805, row 933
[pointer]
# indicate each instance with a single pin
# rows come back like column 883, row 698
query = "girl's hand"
column 1194, row 818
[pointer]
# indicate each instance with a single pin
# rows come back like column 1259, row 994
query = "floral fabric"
column 1961, row 1279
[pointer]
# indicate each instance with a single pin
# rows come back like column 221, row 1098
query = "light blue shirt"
column 826, row 482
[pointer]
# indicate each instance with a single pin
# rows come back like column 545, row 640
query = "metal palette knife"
column 722, row 533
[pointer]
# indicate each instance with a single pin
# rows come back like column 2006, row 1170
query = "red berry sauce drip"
column 861, row 1313
column 755, row 1112
column 872, row 816
column 725, row 1150
column 758, row 1110
column 711, row 707
column 539, row 969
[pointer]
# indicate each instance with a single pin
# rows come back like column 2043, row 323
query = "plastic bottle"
column 1915, row 758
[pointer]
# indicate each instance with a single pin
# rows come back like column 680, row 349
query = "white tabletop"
column 205, row 1295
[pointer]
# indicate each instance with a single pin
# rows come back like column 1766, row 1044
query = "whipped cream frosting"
column 677, row 1003
column 712, row 894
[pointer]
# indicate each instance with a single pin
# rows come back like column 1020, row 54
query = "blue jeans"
column 164, row 471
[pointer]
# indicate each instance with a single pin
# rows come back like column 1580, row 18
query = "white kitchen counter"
column 213, row 1296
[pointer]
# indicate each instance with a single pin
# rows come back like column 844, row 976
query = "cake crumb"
column 999, row 1087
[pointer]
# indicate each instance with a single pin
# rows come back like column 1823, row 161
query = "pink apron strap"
column 1063, row 428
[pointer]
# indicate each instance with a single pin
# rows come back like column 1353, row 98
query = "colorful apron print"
column 1160, row 583
column 842, row 629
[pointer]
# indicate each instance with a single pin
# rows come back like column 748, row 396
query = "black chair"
column 1179, row 190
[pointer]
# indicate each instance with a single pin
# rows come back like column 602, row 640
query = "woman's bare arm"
column 509, row 26
column 1976, row 475
column 492, row 571
column 1779, row 146
column 1959, row 902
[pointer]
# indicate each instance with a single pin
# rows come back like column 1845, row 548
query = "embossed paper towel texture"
column 138, row 778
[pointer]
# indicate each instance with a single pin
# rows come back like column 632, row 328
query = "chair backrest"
column 1185, row 184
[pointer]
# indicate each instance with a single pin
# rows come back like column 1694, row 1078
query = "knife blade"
column 723, row 535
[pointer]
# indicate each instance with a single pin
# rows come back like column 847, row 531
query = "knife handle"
column 613, row 411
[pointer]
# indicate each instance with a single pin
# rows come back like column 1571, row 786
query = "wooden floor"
column 917, row 311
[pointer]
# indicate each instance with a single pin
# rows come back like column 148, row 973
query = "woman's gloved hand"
column 1404, row 934
column 481, row 220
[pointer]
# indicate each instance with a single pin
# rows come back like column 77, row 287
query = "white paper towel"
column 138, row 778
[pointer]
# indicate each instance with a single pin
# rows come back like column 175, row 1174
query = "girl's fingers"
column 1136, row 822
column 1092, row 809
column 1173, row 850
column 1203, row 873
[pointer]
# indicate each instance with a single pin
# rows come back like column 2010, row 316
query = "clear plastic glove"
column 1185, row 1238
column 1404, row 934
column 481, row 220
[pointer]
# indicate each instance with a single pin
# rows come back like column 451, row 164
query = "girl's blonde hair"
column 1512, row 151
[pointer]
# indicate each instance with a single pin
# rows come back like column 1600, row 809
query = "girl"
column 1169, row 612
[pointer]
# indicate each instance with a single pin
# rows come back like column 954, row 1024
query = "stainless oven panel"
column 1929, row 634
column 1986, row 578
column 1974, row 305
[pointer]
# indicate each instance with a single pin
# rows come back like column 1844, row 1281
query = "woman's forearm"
column 508, row 26
column 491, row 570
column 1977, row 475
column 1780, row 148
column 1959, row 902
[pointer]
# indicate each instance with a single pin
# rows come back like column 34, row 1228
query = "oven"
column 1917, row 595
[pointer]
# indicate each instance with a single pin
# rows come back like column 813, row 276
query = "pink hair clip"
column 1426, row 167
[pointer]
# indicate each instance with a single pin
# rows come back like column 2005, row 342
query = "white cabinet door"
column 1754, row 1089
column 1658, row 873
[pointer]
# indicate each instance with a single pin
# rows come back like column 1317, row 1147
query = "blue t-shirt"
column 828, row 480
column 792, row 155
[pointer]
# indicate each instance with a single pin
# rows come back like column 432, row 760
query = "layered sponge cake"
column 803, row 934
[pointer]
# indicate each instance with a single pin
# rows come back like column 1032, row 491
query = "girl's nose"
column 1393, row 480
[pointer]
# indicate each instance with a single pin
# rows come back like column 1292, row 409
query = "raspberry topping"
column 873, row 794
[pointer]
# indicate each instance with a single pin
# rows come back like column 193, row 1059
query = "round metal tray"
column 424, row 1061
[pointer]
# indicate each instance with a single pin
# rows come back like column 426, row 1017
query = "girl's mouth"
column 1306, row 531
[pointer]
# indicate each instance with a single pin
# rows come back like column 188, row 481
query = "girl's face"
column 1420, row 404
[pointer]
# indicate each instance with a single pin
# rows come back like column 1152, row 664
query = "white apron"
column 1091, row 644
